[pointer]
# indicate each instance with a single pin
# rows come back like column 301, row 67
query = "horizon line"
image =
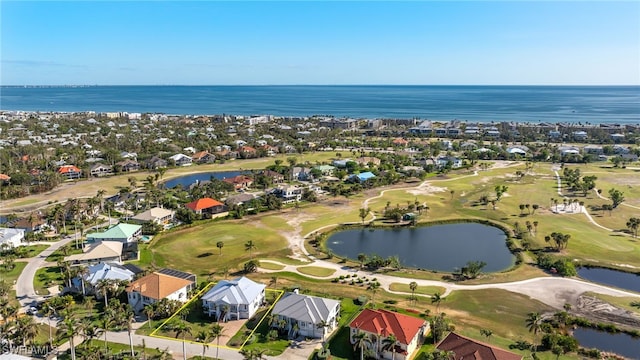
column 275, row 85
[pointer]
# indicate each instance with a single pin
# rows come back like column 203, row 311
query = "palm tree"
column 103, row 286
column 203, row 337
column 105, row 322
column 374, row 286
column 363, row 213
column 219, row 245
column 181, row 328
column 150, row 311
column 390, row 344
column 82, row 271
column 362, row 342
column 128, row 317
column 274, row 281
column 250, row 246
column 70, row 327
column 437, row 298
column 323, row 325
column 48, row 311
column 27, row 329
column 216, row 331
column 413, row 286
column 534, row 324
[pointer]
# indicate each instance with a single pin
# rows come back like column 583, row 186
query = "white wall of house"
column 139, row 301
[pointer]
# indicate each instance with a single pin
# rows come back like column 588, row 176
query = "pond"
column 620, row 279
column 187, row 180
column 438, row 247
column 619, row 343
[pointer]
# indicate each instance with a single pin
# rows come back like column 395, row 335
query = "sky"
column 319, row 42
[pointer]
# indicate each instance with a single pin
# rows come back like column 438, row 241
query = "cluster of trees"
column 375, row 262
column 561, row 266
column 15, row 330
column 561, row 240
column 574, row 182
column 396, row 213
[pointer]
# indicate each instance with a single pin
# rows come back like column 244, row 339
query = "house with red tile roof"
column 247, row 152
column 203, row 157
column 206, row 206
column 380, row 324
column 4, row 178
column 465, row 348
column 70, row 171
column 239, row 182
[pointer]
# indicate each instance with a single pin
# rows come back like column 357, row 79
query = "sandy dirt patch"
column 294, row 237
column 426, row 189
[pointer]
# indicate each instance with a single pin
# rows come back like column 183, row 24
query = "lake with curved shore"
column 445, row 247
column 619, row 343
column 188, row 180
column 619, row 279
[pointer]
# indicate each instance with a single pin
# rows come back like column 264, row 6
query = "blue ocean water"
column 593, row 104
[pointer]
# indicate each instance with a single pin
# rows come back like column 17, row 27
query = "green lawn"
column 115, row 349
column 316, row 271
column 11, row 276
column 270, row 266
column 424, row 290
column 47, row 277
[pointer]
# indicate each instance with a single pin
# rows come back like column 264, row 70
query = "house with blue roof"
column 363, row 176
column 234, row 299
column 124, row 233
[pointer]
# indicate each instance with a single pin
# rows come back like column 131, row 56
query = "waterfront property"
column 306, row 315
column 466, row 348
column 11, row 237
column 165, row 283
column 234, row 299
column 378, row 325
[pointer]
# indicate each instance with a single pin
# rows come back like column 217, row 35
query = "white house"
column 155, row 215
column 103, row 271
column 234, row 299
column 380, row 324
column 98, row 252
column 305, row 315
column 181, row 159
column 11, row 237
column 160, row 285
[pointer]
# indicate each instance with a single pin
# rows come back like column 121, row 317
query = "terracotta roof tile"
column 466, row 348
column 203, row 203
column 384, row 322
column 157, row 286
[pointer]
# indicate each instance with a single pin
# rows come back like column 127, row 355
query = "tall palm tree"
column 128, row 317
column 220, row 245
column 203, row 337
column 362, row 342
column 70, row 327
column 373, row 287
column 103, row 286
column 27, row 329
column 49, row 311
column 105, row 322
column 216, row 331
column 437, row 298
column 323, row 325
column 250, row 246
column 389, row 344
column 534, row 324
column 81, row 273
column 150, row 311
column 182, row 329
column 413, row 286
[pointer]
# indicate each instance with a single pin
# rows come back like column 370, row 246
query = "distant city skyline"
column 319, row 43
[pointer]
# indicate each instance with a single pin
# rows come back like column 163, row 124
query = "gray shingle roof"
column 304, row 307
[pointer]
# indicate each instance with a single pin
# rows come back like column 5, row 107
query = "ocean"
column 585, row 104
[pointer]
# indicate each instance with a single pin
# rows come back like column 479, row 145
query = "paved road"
column 25, row 291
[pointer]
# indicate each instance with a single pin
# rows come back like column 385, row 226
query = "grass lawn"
column 47, row 277
column 30, row 251
column 316, row 271
column 424, row 290
column 58, row 255
column 11, row 276
column 270, row 266
column 194, row 249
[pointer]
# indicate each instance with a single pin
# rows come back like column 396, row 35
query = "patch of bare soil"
column 600, row 311
column 295, row 237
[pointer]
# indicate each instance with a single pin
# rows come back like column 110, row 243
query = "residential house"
column 380, row 324
column 120, row 200
column 519, row 150
column 181, row 159
column 240, row 182
column 155, row 163
column 275, row 177
column 154, row 215
column 239, row 199
column 11, row 238
column 362, row 177
column 288, row 193
column 617, row 137
column 206, row 207
column 234, row 299
column 465, row 348
column 103, row 271
column 123, row 233
column 326, row 170
column 104, row 251
column 442, row 162
column 367, row 160
column 203, row 157
column 593, row 150
column 246, row 152
column 301, row 173
column 32, row 223
column 98, row 170
column 163, row 284
column 128, row 165
column 305, row 315
column 4, row 178
column 70, row 171
column 579, row 135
